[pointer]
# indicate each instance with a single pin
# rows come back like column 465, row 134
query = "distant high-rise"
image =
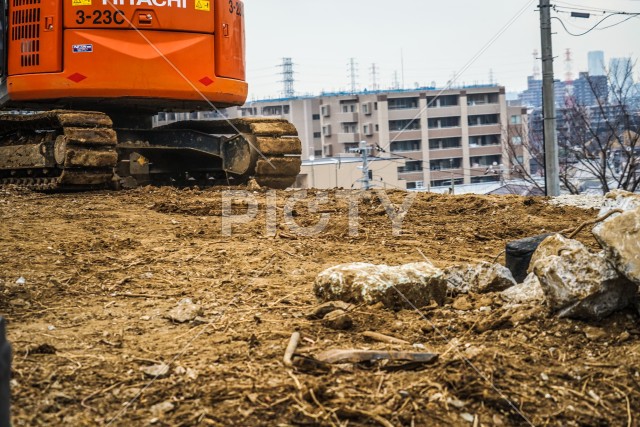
column 596, row 63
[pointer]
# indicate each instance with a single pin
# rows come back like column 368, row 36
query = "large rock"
column 577, row 283
column 359, row 282
column 527, row 292
column 480, row 278
column 619, row 236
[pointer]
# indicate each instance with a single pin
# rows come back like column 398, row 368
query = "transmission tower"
column 353, row 75
column 374, row 77
column 568, row 67
column 287, row 78
column 536, row 64
column 396, row 82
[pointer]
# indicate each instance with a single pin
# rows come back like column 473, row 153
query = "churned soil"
column 87, row 280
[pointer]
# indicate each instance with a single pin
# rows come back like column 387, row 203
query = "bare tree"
column 600, row 142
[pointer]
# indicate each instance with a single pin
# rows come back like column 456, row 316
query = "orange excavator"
column 80, row 81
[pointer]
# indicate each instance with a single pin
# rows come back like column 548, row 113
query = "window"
column 315, row 117
column 415, row 185
column 484, row 140
column 444, row 164
column 482, row 98
column 444, row 143
column 285, row 109
column 484, row 119
column 317, row 134
column 327, row 150
column 516, row 120
column 348, row 106
column 400, row 125
column 516, row 140
column 244, row 112
column 349, row 127
column 273, row 110
column 444, row 122
column 326, row 130
column 366, row 108
column 161, row 116
column 446, row 182
column 485, row 161
column 317, row 153
column 411, row 166
column 442, row 101
column 412, row 145
column 325, row 110
column 481, row 179
column 377, row 127
column 402, row 103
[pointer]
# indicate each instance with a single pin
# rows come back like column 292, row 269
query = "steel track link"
column 275, row 142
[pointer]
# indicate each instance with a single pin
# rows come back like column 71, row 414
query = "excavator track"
column 57, row 150
column 275, row 146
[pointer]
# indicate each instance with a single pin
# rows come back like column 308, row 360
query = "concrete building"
column 346, row 172
column 435, row 136
column 621, row 75
column 596, row 63
column 588, row 89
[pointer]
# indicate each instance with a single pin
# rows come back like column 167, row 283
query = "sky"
column 424, row 41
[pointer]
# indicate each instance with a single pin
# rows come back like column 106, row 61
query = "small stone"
column 21, row 281
column 462, row 303
column 467, row 417
column 156, row 371
column 185, row 311
column 497, row 420
column 544, row 376
column 456, row 403
column 624, row 336
column 593, row 333
column 160, row 409
column 51, row 328
column 337, row 319
column 145, row 318
column 322, row 310
column 527, row 292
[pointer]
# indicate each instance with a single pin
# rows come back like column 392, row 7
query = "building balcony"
column 485, row 130
column 404, row 114
column 478, row 109
column 435, row 112
column 445, row 174
column 349, row 138
column 346, row 117
column 405, row 135
column 486, row 150
column 446, row 153
column 444, row 132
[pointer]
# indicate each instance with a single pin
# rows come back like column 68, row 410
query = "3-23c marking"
column 100, row 17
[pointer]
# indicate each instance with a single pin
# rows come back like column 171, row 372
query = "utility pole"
column 365, row 165
column 551, row 163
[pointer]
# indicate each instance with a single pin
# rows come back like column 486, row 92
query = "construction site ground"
column 101, row 270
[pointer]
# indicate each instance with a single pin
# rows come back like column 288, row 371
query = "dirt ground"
column 101, row 270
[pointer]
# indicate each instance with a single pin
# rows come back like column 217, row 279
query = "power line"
column 596, row 25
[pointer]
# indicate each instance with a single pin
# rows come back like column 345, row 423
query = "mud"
column 103, row 269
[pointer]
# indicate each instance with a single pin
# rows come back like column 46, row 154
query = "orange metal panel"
column 153, row 64
column 35, row 36
column 171, row 15
column 230, row 44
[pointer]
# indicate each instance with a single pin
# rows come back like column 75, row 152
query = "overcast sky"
column 435, row 38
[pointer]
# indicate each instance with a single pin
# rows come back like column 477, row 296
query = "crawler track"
column 57, row 150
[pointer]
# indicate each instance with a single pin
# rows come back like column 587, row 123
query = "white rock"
column 478, row 278
column 160, row 409
column 360, row 282
column 21, row 281
column 156, row 371
column 619, row 235
column 185, row 311
column 526, row 292
column 577, row 283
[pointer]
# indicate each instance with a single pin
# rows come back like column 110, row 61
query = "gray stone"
column 185, row 311
column 619, row 236
column 359, row 282
column 156, row 371
column 526, row 292
column 337, row 319
column 479, row 278
column 577, row 283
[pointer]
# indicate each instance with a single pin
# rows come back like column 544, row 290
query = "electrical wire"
column 596, row 25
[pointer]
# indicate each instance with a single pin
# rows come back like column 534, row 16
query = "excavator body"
column 96, row 71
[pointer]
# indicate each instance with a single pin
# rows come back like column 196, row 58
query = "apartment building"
column 437, row 137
